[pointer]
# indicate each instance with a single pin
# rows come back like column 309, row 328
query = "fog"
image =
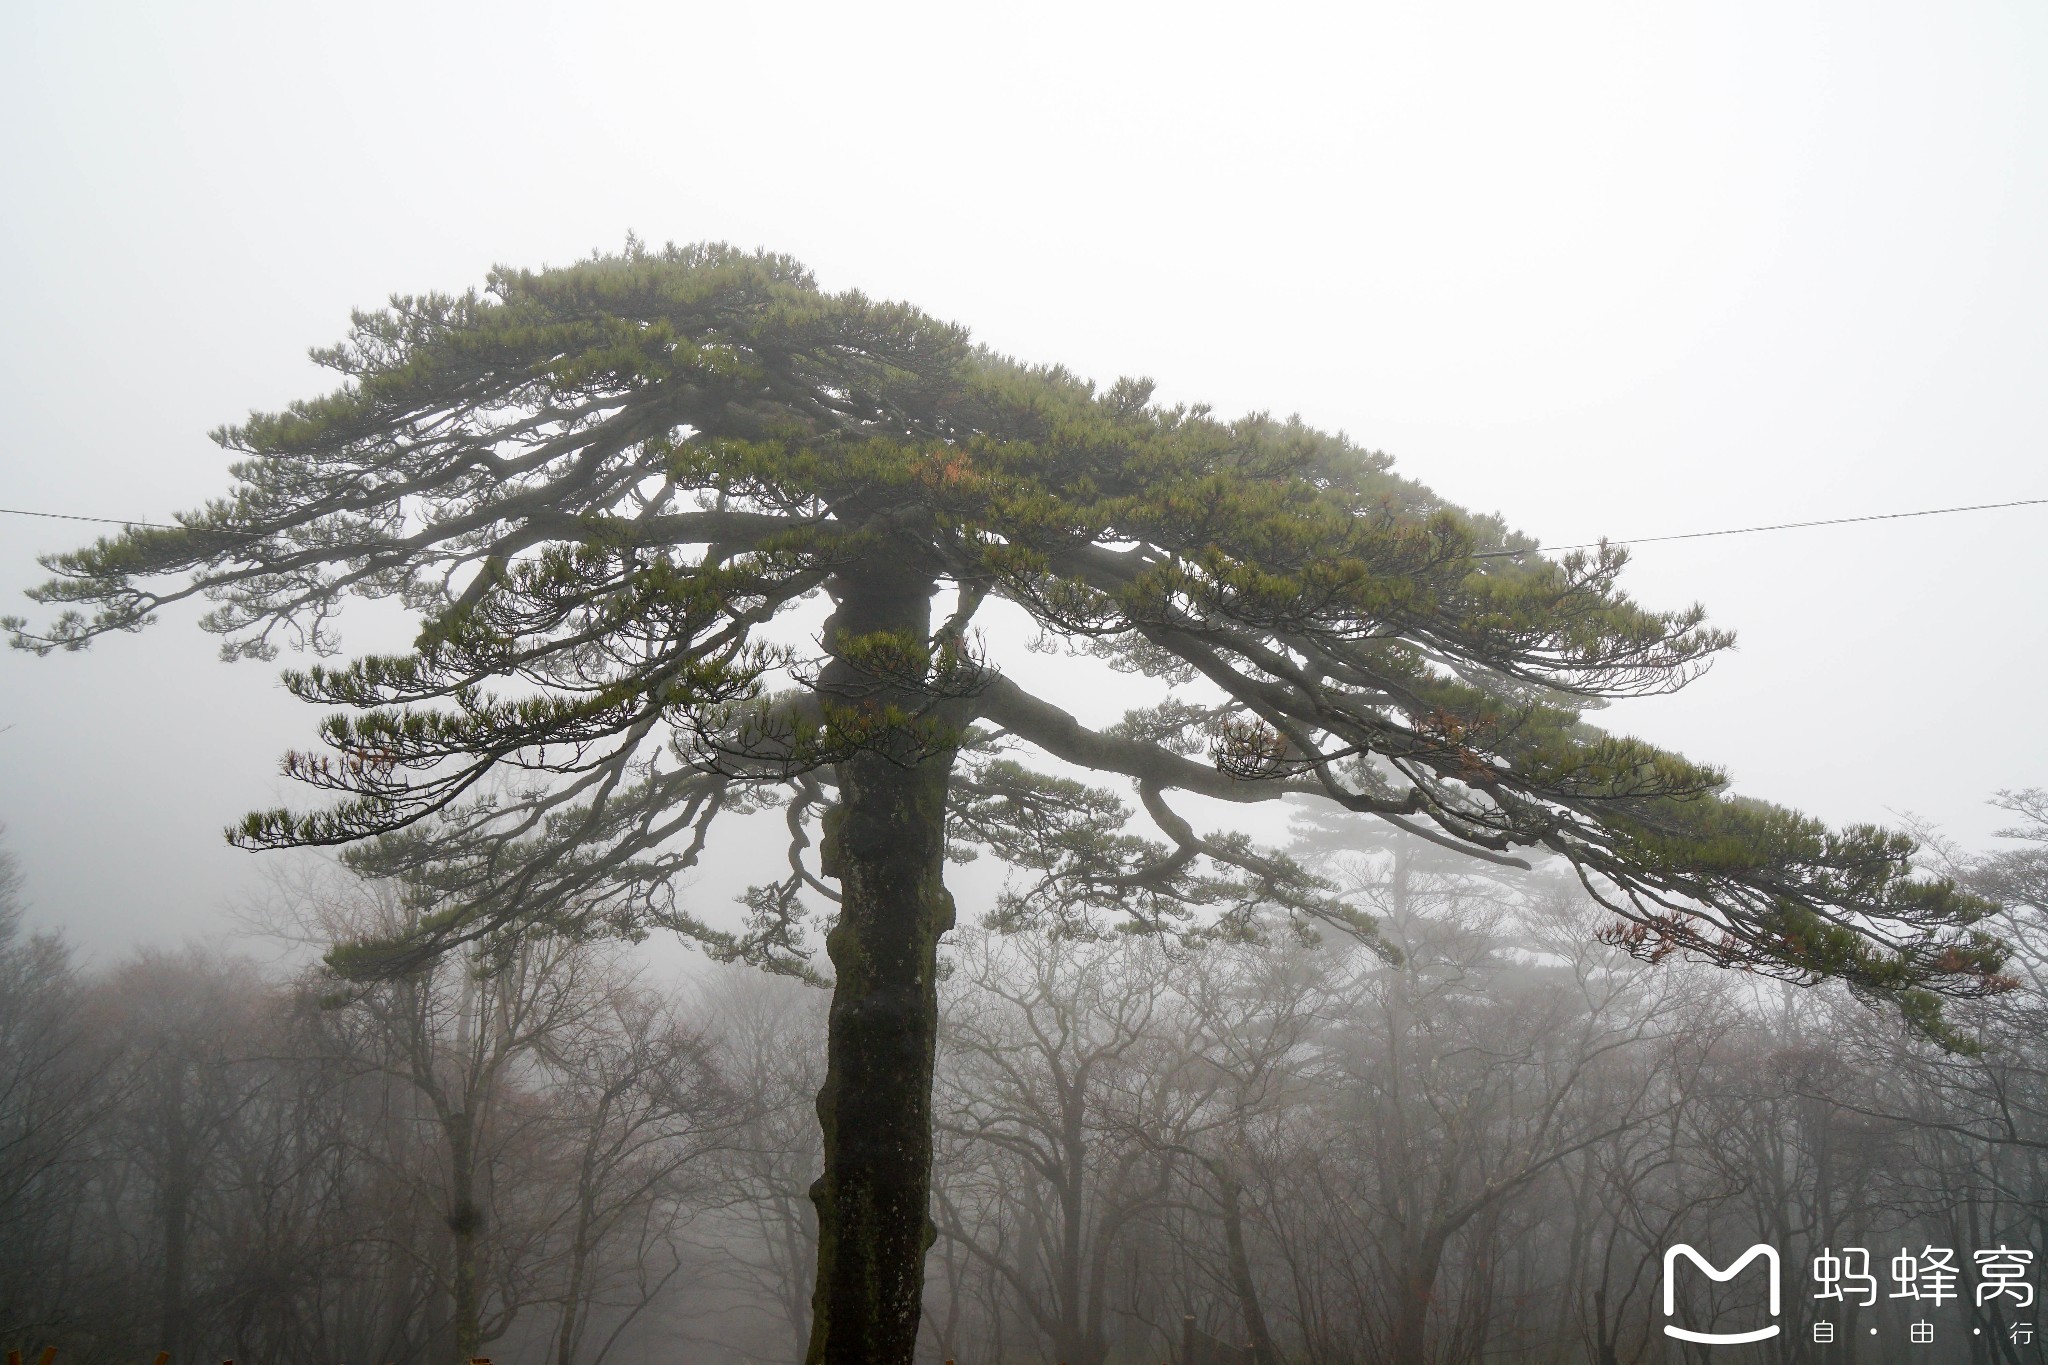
column 1606, row 270
column 1611, row 271
column 1242, row 1155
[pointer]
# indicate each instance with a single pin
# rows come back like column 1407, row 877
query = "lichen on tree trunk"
column 885, row 842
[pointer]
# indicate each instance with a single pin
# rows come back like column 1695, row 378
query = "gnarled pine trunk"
column 885, row 842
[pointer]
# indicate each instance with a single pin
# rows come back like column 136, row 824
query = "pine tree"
column 598, row 486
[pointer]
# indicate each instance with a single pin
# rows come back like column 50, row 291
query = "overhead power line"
column 105, row 521
column 1490, row 554
column 1775, row 526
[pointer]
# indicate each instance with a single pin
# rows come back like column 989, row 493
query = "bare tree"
column 1051, row 1053
column 53, row 1090
column 641, row 1103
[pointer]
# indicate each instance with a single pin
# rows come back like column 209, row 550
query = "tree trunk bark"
column 579, row 1261
column 1414, row 1293
column 1241, row 1281
column 1074, row 1342
column 465, row 1220
column 175, row 1198
column 885, row 842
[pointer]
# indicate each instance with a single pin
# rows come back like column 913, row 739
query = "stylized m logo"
column 1769, row 1253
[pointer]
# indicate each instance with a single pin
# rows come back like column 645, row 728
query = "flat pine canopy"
column 598, row 486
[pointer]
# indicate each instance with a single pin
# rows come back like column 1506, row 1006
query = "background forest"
column 1279, row 1151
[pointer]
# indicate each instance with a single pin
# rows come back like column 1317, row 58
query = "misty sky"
column 1622, row 270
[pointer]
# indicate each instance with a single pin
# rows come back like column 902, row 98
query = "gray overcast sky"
column 1625, row 270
